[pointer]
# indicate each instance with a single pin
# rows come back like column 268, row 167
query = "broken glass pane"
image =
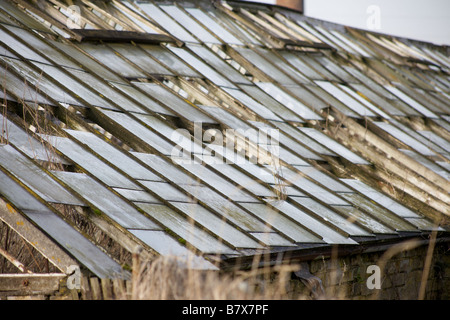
column 346, row 99
column 333, row 145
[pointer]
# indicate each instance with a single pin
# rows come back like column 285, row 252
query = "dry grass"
column 169, row 278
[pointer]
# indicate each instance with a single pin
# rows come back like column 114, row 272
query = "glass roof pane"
column 166, row 191
column 201, row 67
column 220, row 65
column 330, row 216
column 272, row 239
column 174, row 102
column 138, row 56
column 113, row 155
column 411, row 102
column 288, row 101
column 142, row 98
column 86, row 61
column 282, row 223
column 328, row 235
column 269, row 102
column 303, row 138
column 139, row 131
column 264, row 65
column 427, row 163
column 168, row 246
column 388, row 218
column 217, row 29
column 105, row 55
column 252, row 104
column 433, row 137
column 323, row 179
column 354, row 214
column 31, row 146
column 380, row 198
column 106, row 201
column 90, row 163
column 45, row 87
column 35, row 178
column 311, row 188
column 189, row 24
column 137, row 195
column 170, row 60
column 192, row 234
column 345, row 98
column 216, row 225
column 405, row 138
column 166, row 22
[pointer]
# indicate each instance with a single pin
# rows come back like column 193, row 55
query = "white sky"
column 426, row 20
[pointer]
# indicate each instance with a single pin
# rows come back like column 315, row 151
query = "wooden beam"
column 26, row 284
column 35, row 237
column 121, row 36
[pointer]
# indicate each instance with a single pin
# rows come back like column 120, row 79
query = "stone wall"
column 346, row 277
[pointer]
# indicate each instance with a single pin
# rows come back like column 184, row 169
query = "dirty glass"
column 288, row 101
column 107, row 57
column 118, row 158
column 353, row 214
column 330, row 216
column 216, row 225
column 139, row 57
column 187, row 231
column 173, row 102
column 333, row 145
column 106, row 201
column 35, row 178
column 189, row 24
column 220, row 65
column 345, row 98
column 90, row 163
column 327, row 234
column 166, row 22
column 279, row 221
column 217, row 29
column 381, row 199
